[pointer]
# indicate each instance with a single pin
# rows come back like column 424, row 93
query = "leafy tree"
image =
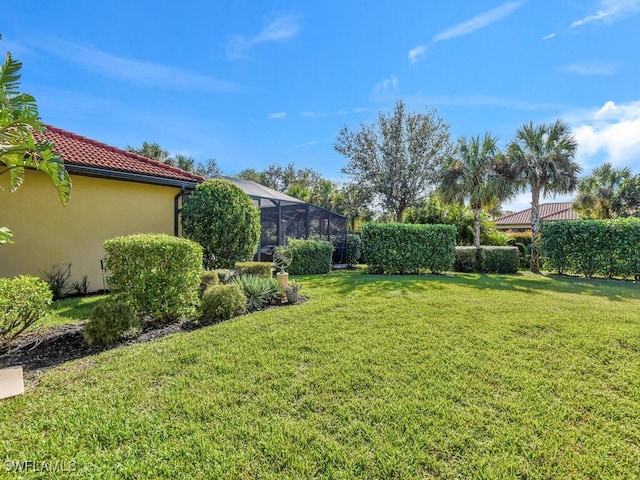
column 398, row 158
column 282, row 178
column 353, row 201
column 20, row 146
column 299, row 191
column 472, row 174
column 626, row 201
column 542, row 157
column 209, row 169
column 596, row 192
column 323, row 194
column 224, row 221
column 153, row 151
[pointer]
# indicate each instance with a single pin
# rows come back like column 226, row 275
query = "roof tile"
column 548, row 211
column 78, row 150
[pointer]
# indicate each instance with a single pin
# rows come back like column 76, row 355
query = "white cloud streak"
column 609, row 12
column 136, row 72
column 418, row 52
column 549, row 37
column 385, row 89
column 282, row 28
column 478, row 22
column 277, row 115
column 592, row 68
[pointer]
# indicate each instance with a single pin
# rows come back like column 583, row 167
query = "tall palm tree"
column 472, row 175
column 597, row 192
column 543, row 159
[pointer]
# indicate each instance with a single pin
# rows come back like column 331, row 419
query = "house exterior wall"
column 46, row 233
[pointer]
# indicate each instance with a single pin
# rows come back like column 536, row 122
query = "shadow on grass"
column 364, row 283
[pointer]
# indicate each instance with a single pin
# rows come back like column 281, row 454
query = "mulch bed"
column 38, row 351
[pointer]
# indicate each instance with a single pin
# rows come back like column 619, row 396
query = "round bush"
column 110, row 321
column 354, row 248
column 209, row 277
column 224, row 221
column 222, row 302
column 23, row 301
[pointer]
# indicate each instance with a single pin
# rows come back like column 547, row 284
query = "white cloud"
column 549, row 37
column 137, row 72
column 277, row 115
column 609, row 12
column 385, row 89
column 592, row 68
column 338, row 113
column 417, row 53
column 307, row 144
column 611, row 133
column 282, row 28
column 476, row 23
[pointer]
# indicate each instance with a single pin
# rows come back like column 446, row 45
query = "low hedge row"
column 408, row 248
column 308, row 256
column 259, row 269
column 487, row 259
column 23, row 301
column 610, row 248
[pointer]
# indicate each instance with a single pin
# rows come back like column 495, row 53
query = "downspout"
column 176, row 212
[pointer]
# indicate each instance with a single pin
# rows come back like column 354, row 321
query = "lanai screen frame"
column 272, row 204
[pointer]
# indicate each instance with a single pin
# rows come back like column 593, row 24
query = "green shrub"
column 209, row 277
column 308, row 256
column 221, row 302
column 259, row 269
column 224, row 275
column 466, row 260
column 354, row 248
column 408, row 248
column 260, row 291
column 111, row 321
column 23, row 301
column 224, row 221
column 499, row 259
column 158, row 275
column 609, row 248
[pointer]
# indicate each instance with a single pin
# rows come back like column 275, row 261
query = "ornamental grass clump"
column 260, row 292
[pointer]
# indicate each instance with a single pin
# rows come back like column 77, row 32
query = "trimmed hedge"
column 221, row 302
column 487, row 259
column 408, row 248
column 308, row 256
column 499, row 259
column 224, row 221
column 609, row 248
column 158, row 275
column 466, row 260
column 354, row 248
column 209, row 277
column 23, row 301
column 259, row 269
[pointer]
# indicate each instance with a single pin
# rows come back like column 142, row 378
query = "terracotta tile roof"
column 82, row 151
column 548, row 212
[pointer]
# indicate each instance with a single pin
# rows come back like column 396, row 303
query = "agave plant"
column 260, row 291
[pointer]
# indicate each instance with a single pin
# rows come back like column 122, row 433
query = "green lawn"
column 70, row 310
column 465, row 376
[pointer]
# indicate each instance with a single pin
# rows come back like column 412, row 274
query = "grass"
column 70, row 310
column 465, row 376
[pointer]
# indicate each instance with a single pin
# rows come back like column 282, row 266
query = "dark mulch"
column 38, row 351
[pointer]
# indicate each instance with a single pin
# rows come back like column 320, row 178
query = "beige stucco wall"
column 46, row 233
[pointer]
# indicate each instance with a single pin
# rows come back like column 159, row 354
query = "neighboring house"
column 521, row 221
column 114, row 192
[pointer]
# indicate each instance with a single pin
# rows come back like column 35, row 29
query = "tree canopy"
column 154, row 151
column 473, row 175
column 398, row 159
column 542, row 158
column 597, row 192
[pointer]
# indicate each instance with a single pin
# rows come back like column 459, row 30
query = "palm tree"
column 543, row 159
column 472, row 175
column 596, row 192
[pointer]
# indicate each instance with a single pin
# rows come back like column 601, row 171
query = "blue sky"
column 254, row 83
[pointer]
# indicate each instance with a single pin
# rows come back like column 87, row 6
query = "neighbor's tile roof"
column 548, row 211
column 78, row 150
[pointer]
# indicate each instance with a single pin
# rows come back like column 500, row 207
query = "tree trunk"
column 535, row 228
column 476, row 227
column 399, row 214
